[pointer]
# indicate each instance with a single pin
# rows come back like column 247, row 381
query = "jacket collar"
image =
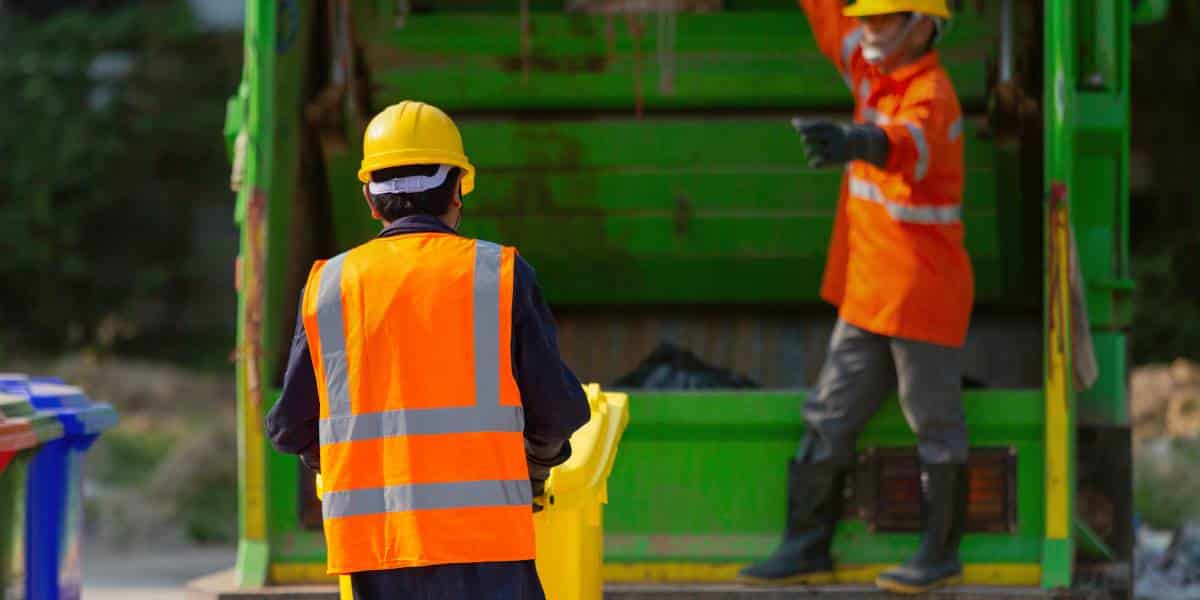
column 907, row 72
column 416, row 224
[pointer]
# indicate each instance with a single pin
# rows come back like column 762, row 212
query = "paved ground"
column 157, row 574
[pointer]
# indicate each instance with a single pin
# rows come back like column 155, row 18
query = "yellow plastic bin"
column 344, row 590
column 570, row 529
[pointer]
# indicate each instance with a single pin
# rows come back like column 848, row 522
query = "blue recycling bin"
column 54, row 498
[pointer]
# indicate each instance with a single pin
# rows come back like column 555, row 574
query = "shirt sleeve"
column 926, row 132
column 292, row 422
column 554, row 400
column 837, row 35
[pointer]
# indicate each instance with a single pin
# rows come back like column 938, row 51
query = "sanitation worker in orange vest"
column 901, row 279
column 425, row 384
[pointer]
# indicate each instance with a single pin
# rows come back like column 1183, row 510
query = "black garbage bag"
column 670, row 367
column 971, row 383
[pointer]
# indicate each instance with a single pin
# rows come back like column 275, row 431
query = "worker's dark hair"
column 433, row 202
column 934, row 36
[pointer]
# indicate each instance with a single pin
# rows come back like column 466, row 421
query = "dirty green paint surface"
column 1107, row 402
column 654, row 208
column 748, row 60
column 702, row 477
column 1096, row 136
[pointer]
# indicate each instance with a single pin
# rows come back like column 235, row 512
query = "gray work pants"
column 862, row 368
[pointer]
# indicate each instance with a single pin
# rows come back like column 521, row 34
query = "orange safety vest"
column 421, row 430
column 897, row 265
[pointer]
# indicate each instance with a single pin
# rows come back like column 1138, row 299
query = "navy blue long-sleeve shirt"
column 553, row 399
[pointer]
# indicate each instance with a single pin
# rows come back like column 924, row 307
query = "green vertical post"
column 1059, row 101
column 255, row 99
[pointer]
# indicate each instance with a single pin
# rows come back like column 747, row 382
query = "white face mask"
column 880, row 50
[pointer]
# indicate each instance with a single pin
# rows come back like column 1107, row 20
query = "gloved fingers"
column 821, row 131
column 804, row 126
column 312, row 460
column 817, row 137
column 538, row 487
column 819, row 146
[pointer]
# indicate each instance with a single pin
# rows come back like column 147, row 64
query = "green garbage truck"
column 639, row 154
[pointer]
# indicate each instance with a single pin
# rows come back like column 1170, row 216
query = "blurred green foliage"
column 1165, row 214
column 1167, row 483
column 110, row 140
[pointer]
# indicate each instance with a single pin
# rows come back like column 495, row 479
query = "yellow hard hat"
column 869, row 8
column 414, row 133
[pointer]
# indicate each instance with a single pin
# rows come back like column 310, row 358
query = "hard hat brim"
column 854, row 10
column 404, row 158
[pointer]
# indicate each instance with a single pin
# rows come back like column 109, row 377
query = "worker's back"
column 421, row 420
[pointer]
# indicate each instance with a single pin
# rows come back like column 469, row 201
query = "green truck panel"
column 644, row 164
column 735, row 60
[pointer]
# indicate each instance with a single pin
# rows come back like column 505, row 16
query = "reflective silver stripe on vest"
column 864, row 91
column 870, row 115
column 333, row 336
column 486, row 415
column 421, row 421
column 849, row 43
column 427, row 496
column 923, row 214
column 487, row 324
column 918, row 136
column 956, row 129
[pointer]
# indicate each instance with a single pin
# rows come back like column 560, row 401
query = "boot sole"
column 913, row 590
column 822, row 578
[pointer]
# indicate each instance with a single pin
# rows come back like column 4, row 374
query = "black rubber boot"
column 814, row 505
column 943, row 519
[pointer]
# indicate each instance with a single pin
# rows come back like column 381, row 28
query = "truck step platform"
column 220, row 586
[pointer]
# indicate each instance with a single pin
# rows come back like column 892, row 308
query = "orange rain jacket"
column 896, row 263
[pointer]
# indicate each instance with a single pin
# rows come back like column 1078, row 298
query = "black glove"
column 829, row 144
column 540, row 457
column 311, row 457
column 538, row 474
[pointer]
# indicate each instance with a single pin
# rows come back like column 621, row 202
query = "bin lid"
column 14, row 403
column 67, row 402
column 584, row 476
column 50, row 396
column 16, row 434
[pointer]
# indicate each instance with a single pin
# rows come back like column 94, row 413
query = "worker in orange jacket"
column 425, row 384
column 901, row 279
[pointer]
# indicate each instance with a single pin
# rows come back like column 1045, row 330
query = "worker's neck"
column 449, row 219
column 900, row 63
